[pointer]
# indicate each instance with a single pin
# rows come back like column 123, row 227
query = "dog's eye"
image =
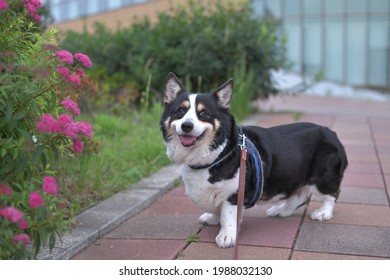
column 180, row 112
column 204, row 115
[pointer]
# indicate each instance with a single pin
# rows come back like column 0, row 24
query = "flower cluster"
column 67, row 126
column 3, row 5
column 31, row 6
column 67, row 57
column 31, row 213
column 71, row 106
column 15, row 218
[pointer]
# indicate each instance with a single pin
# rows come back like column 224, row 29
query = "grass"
column 130, row 148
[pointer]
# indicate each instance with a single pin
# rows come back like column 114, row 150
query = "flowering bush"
column 40, row 85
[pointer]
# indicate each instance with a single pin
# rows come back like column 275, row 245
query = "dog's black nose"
column 187, row 126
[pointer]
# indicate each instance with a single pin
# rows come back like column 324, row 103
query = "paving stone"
column 259, row 232
column 156, row 227
column 323, row 120
column 300, row 255
column 376, row 196
column 362, row 157
column 344, row 239
column 386, row 169
column 173, row 203
column 356, row 214
column 210, row 251
column 364, row 168
column 363, row 180
column 118, row 249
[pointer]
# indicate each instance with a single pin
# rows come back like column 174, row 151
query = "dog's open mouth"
column 189, row 140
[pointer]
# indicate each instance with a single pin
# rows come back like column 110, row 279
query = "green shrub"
column 39, row 86
column 201, row 44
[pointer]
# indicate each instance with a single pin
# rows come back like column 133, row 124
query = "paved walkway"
column 168, row 228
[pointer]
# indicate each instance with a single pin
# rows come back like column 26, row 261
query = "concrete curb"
column 110, row 213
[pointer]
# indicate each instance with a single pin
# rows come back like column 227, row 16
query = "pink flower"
column 5, row 190
column 64, row 120
column 84, row 59
column 79, row 73
column 84, row 128
column 78, row 146
column 36, row 200
column 37, row 18
column 64, row 71
column 71, row 106
column 49, row 185
column 74, row 79
column 64, row 56
column 3, row 5
column 23, row 225
column 23, row 238
column 12, row 214
column 48, row 123
column 31, row 8
column 70, row 130
column 36, row 3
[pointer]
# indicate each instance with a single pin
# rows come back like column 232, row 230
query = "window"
column 292, row 7
column 293, row 44
column 356, row 50
column 378, row 70
column 334, row 6
column 312, row 46
column 333, row 49
column 312, row 7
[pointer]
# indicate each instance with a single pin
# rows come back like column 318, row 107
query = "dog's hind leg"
column 288, row 206
column 326, row 211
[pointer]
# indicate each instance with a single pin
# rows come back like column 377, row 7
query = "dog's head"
column 195, row 125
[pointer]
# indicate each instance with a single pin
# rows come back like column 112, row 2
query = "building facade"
column 348, row 40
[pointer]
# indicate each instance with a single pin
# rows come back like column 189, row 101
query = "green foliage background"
column 201, row 44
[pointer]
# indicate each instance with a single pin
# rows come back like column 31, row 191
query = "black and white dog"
column 297, row 159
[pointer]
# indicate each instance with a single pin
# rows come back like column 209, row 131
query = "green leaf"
column 52, row 241
column 25, row 134
column 37, row 154
column 8, row 111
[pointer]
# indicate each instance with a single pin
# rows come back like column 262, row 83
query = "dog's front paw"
column 321, row 215
column 209, row 219
column 226, row 239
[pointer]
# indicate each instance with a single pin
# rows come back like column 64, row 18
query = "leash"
column 247, row 146
column 240, row 194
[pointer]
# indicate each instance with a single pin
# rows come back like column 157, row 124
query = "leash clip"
column 243, row 145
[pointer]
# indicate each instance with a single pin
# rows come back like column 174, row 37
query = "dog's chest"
column 209, row 197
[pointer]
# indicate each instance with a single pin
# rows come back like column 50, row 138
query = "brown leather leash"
column 240, row 195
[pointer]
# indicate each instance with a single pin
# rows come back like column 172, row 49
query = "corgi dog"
column 296, row 160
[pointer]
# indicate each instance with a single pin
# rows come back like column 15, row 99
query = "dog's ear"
column 224, row 94
column 172, row 88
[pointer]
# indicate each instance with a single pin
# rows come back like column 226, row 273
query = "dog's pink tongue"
column 187, row 140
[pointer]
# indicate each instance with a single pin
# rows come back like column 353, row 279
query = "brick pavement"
column 360, row 229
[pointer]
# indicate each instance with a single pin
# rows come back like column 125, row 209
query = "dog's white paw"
column 226, row 239
column 321, row 215
column 209, row 219
column 280, row 210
